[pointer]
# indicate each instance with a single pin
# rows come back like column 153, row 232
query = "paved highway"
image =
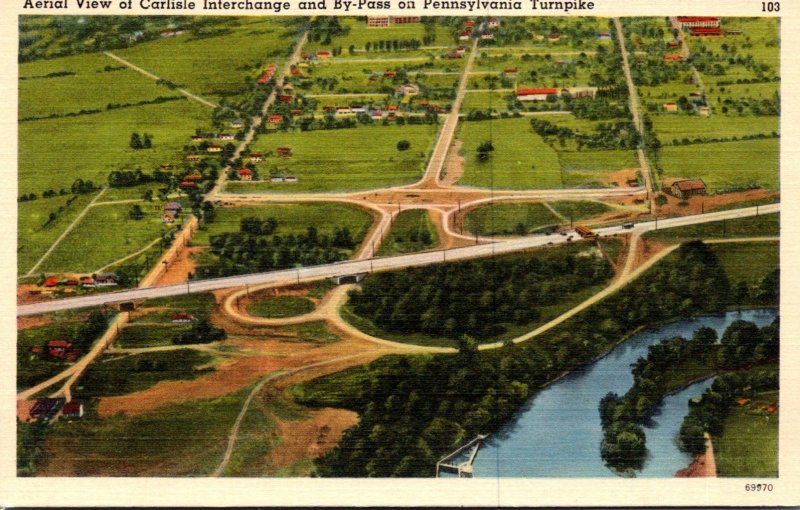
column 377, row 264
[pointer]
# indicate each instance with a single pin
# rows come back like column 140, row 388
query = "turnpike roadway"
column 311, row 273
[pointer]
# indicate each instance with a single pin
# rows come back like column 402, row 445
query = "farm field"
column 510, row 219
column 224, row 58
column 748, row 446
column 111, row 233
column 726, row 165
column 89, row 147
column 197, row 305
column 33, row 237
column 678, row 127
column 412, row 231
column 98, row 81
column 365, row 158
column 292, row 219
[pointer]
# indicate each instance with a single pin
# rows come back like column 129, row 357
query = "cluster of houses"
column 457, row 53
column 696, row 100
column 47, row 409
column 542, row 94
column 759, row 406
column 57, row 349
column 701, row 26
column 97, row 280
column 482, row 32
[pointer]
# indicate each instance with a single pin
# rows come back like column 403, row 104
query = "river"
column 558, row 432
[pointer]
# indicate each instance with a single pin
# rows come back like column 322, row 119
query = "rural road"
column 377, row 264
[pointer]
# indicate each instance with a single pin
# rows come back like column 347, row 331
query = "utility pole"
column 656, row 221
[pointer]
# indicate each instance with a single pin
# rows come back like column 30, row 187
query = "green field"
column 316, row 332
column 412, row 231
column 359, row 35
column 485, row 100
column 197, row 305
column 228, row 59
column 507, row 219
column 282, row 306
column 753, row 226
column 672, row 127
column 91, row 146
column 104, row 235
column 34, row 238
column 343, row 160
column 748, row 446
column 119, row 375
column 136, row 336
column 748, row 262
column 520, row 160
column 291, row 218
column 579, row 209
column 178, row 440
column 727, row 165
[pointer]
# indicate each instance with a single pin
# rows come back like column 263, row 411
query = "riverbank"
column 703, row 466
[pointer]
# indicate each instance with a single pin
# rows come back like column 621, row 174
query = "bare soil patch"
column 455, row 165
column 705, row 203
column 620, row 178
column 179, row 269
column 312, row 437
column 26, row 294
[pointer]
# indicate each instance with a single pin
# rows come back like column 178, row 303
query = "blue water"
column 558, row 432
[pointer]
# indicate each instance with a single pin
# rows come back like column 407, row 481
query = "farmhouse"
column 46, row 407
column 194, row 176
column 256, row 157
column 106, row 280
column 535, row 94
column 182, row 318
column 72, row 410
column 704, row 111
column 493, row 22
column 604, row 36
column 324, row 54
column 214, row 148
column 673, row 44
column 465, row 35
column 408, row 89
column 674, row 57
column 698, row 21
column 273, row 121
column 670, row 107
column 198, row 138
column 277, row 178
column 167, row 219
column 688, row 188
column 510, row 71
column 705, row 31
column 554, row 37
column 187, row 185
column 51, row 281
column 454, row 55
column 173, row 207
column 290, row 178
column 284, row 152
column 57, row 348
column 245, row 174
column 236, row 124
column 224, row 136
column 87, row 281
column 165, row 166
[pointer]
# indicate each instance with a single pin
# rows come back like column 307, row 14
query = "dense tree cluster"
column 709, row 414
column 416, row 409
column 202, row 332
column 130, row 178
column 476, row 297
column 255, row 247
column 619, row 135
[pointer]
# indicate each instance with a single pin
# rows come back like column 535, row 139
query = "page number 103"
column 770, row 6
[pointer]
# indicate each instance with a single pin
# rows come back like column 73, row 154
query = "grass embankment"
column 412, row 231
column 748, row 445
column 282, row 306
column 765, row 225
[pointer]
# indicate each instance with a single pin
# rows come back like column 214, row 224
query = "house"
column 408, row 89
column 743, row 401
column 554, row 37
column 392, row 108
column 187, row 185
column 604, row 36
column 698, row 21
column 224, row 136
column 245, row 174
column 165, row 166
column 198, row 138
column 87, row 281
column 192, row 157
column 295, row 72
column 510, row 71
column 182, row 318
column 214, row 148
column 72, row 282
column 536, row 94
column 46, row 408
column 285, row 98
column 405, row 20
column 167, row 219
column 194, row 176
column 173, row 207
column 72, row 355
column 454, row 55
column 670, row 107
column 51, row 281
column 57, row 347
column 348, row 278
column 324, row 54
column 284, row 152
column 72, row 410
column 704, row 111
column 236, row 124
column 465, row 35
column 705, row 31
column 469, row 23
column 674, row 57
column 256, row 157
column 377, row 21
column 493, row 23
column 277, row 178
column 688, row 188
column 273, row 121
column 376, row 114
column 106, row 280
column 389, row 74
column 290, row 178
column 485, row 35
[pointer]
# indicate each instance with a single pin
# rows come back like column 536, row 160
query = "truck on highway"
column 585, row 232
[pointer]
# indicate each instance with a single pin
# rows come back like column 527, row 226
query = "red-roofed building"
column 181, row 318
column 392, row 108
column 273, row 121
column 284, row 152
column 256, row 157
column 72, row 410
column 324, row 54
column 285, row 98
column 536, row 94
column 469, row 23
column 698, row 21
column 194, row 176
column 674, row 57
column 51, row 281
column 389, row 74
column 187, row 185
column 87, row 281
column 705, row 31
column 688, row 188
column 56, row 348
column 245, row 174
column 554, row 37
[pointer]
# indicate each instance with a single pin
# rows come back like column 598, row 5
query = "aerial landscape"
column 398, row 246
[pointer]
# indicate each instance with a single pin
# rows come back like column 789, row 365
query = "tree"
column 135, row 212
column 403, row 145
column 484, row 150
column 136, row 141
column 661, row 199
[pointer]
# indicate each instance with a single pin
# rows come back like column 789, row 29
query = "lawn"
column 35, row 235
column 748, row 446
column 292, row 219
column 678, row 127
column 91, row 87
column 748, row 262
column 579, row 209
column 484, row 100
column 225, row 61
column 412, row 231
column 520, row 160
column 183, row 439
column 149, row 335
column 282, row 306
column 507, row 219
column 115, row 374
column 343, row 159
column 104, row 235
column 727, row 165
column 92, row 146
column 753, row 226
column 197, row 305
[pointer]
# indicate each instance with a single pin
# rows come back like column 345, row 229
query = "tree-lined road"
column 376, row 264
